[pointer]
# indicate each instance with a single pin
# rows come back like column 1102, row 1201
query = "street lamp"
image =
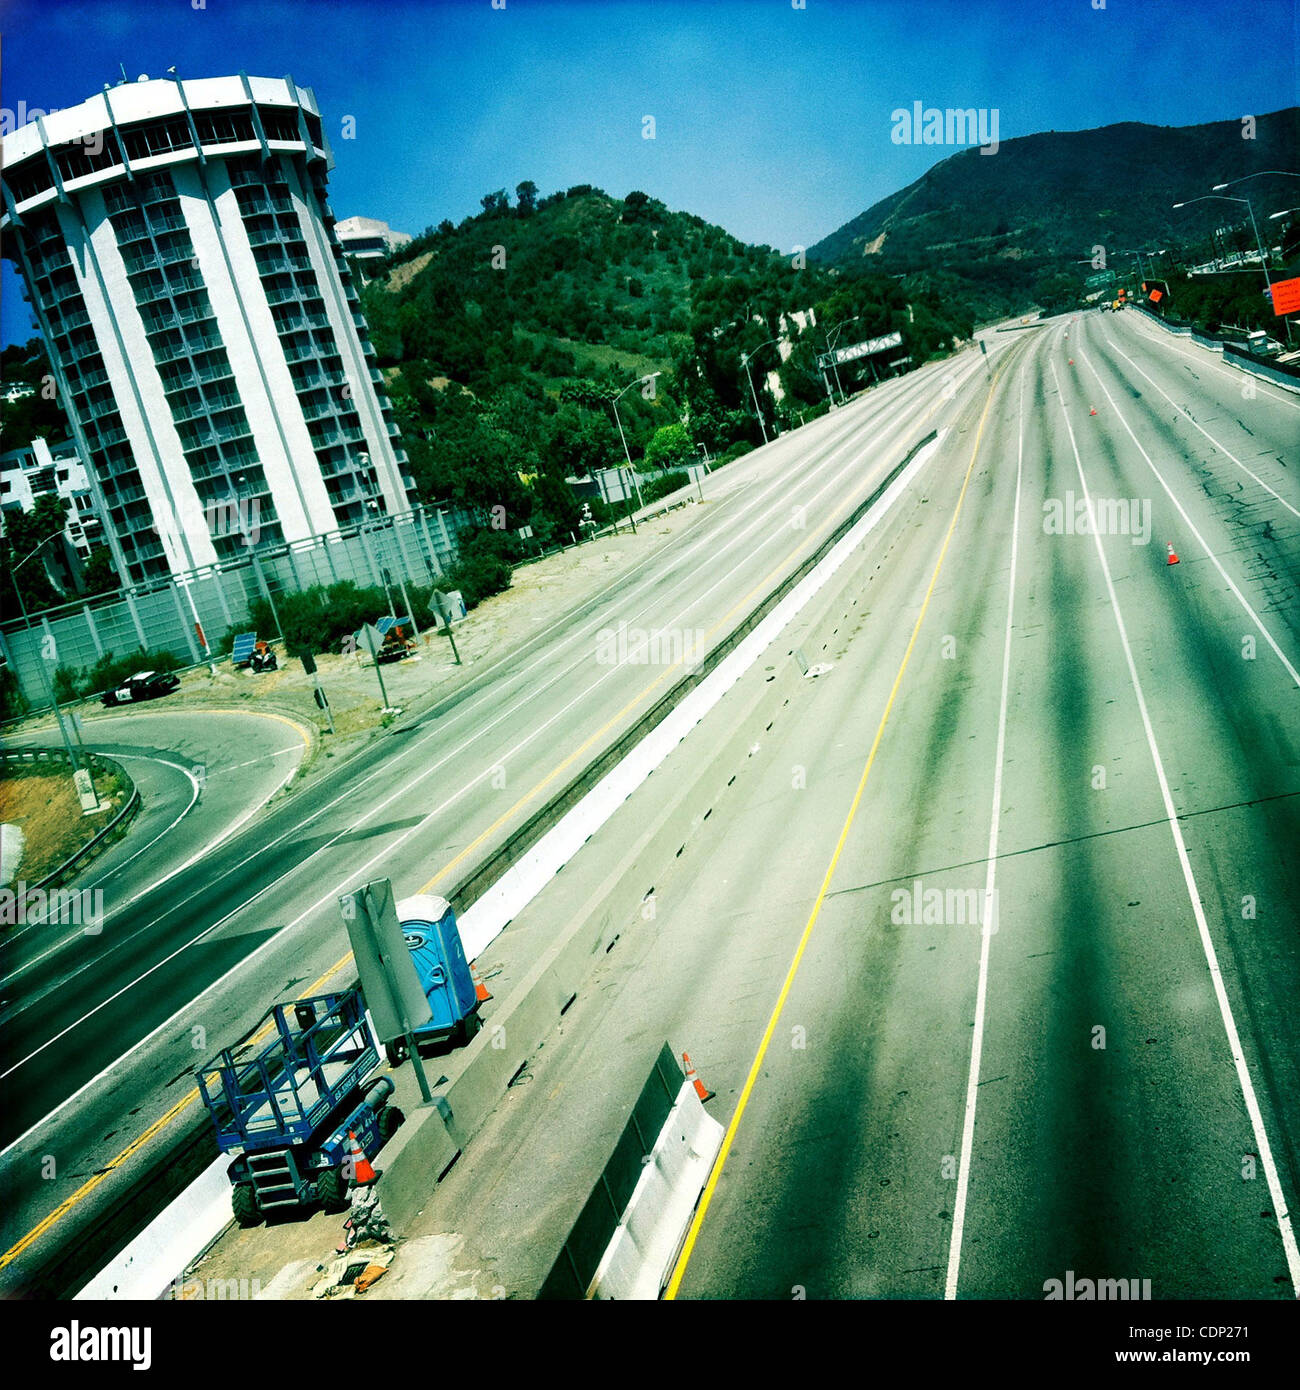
column 376, row 567
column 746, row 358
column 252, row 554
column 638, row 381
column 1286, row 212
column 699, row 487
column 1259, row 241
column 1281, row 173
column 40, row 664
column 830, row 347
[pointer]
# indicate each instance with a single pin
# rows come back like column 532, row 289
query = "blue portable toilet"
column 433, row 938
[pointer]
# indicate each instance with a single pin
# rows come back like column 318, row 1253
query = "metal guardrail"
column 34, row 757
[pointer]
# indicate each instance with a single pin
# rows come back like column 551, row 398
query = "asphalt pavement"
column 987, row 942
column 105, row 1058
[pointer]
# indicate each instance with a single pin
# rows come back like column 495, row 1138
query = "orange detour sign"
column 1286, row 296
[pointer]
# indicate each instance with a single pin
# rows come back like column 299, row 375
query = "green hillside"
column 505, row 339
column 993, row 228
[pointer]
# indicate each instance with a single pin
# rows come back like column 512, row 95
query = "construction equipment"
column 429, row 926
column 287, row 1111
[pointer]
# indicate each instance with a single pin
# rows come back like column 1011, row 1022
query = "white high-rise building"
column 202, row 323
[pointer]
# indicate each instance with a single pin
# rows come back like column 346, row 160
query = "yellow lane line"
column 688, row 1246
column 82, row 1192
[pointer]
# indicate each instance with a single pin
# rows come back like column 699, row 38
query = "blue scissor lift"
column 286, row 1111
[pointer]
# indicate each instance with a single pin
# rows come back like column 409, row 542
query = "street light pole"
column 1259, row 241
column 627, row 454
column 40, row 662
column 746, row 358
column 830, row 348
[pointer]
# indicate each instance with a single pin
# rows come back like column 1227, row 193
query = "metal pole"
column 762, row 426
column 266, row 590
column 626, row 454
column 1263, row 262
column 40, row 665
column 374, row 656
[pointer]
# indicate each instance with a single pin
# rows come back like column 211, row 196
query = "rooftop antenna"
column 121, row 67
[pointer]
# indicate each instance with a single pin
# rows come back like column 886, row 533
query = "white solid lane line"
column 1262, row 1144
column 1204, row 544
column 1223, row 448
column 991, row 862
column 1210, row 357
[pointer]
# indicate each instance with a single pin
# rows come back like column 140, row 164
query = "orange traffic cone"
column 362, row 1173
column 1072, row 361
column 1173, row 559
column 1092, row 410
column 481, row 991
column 692, row 1076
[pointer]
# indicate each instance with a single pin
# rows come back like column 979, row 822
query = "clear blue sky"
column 771, row 121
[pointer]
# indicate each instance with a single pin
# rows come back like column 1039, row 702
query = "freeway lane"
column 200, row 778
column 433, row 803
column 936, row 1111
column 1110, row 1132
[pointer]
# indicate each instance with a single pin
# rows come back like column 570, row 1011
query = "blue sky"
column 769, row 120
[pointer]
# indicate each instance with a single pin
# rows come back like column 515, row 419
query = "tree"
column 496, row 204
column 669, row 447
column 98, row 575
column 24, row 532
column 526, row 198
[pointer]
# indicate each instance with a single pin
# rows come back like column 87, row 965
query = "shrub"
column 12, row 703
column 482, row 567
column 664, row 484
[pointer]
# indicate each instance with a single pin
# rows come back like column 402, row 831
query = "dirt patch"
column 44, row 805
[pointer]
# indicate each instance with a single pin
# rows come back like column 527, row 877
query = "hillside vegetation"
column 996, row 230
column 506, row 339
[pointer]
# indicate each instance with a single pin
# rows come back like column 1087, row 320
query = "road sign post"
column 444, row 612
column 397, row 1002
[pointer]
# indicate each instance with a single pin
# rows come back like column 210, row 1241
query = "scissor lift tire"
column 332, row 1190
column 243, row 1201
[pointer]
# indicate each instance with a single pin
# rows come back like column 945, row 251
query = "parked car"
column 144, row 685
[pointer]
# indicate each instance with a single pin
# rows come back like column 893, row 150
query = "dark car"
column 144, row 685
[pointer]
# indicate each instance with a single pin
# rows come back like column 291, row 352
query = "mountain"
column 991, row 226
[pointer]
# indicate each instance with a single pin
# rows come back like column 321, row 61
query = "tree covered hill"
column 505, row 340
column 991, row 228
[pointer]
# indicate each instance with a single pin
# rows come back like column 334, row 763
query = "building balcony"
column 209, row 405
column 282, row 264
column 68, row 320
column 299, row 322
column 189, row 348
column 189, row 380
